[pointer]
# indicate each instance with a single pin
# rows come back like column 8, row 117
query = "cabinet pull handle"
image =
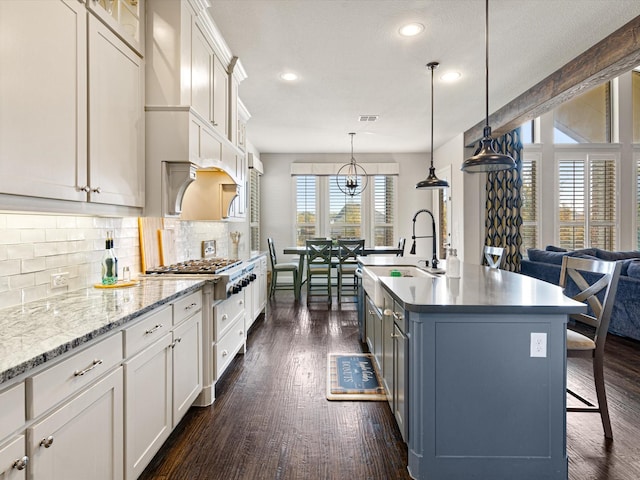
column 84, row 188
column 46, row 442
column 397, row 316
column 96, row 190
column 395, row 336
column 21, row 463
column 387, row 311
column 214, row 123
column 225, row 353
column 151, row 330
column 79, row 373
column 189, row 307
column 176, row 341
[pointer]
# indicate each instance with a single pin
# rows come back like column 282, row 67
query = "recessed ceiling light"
column 289, row 76
column 450, row 76
column 411, row 29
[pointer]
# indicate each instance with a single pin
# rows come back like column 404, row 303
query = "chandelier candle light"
column 487, row 159
column 353, row 176
column 432, row 182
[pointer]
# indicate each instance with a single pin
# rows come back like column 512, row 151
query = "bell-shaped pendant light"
column 352, row 178
column 487, row 159
column 432, row 181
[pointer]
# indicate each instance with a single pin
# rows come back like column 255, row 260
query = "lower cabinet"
column 147, row 404
column 83, row 438
column 187, row 365
column 13, row 460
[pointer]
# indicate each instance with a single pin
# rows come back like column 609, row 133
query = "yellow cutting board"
column 148, row 228
column 167, row 246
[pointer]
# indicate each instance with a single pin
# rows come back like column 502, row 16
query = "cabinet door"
column 387, row 357
column 147, row 404
column 43, row 99
column 116, row 121
column 13, row 460
column 400, row 380
column 123, row 17
column 369, row 325
column 201, row 74
column 220, row 97
column 187, row 365
column 82, row 439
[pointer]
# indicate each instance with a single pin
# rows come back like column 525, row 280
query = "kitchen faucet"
column 434, row 260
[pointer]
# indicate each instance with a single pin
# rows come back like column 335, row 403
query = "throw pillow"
column 553, row 248
column 612, row 256
column 633, row 270
column 536, row 255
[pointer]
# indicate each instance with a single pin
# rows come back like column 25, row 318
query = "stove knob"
column 245, row 282
column 237, row 288
column 252, row 277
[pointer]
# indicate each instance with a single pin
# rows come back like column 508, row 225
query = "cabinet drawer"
column 228, row 346
column 12, row 410
column 147, row 330
column 11, row 453
column 185, row 307
column 67, row 377
column 226, row 314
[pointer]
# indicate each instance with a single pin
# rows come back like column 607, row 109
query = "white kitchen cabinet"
column 123, row 17
column 14, row 460
column 202, row 78
column 221, row 99
column 116, row 134
column 71, row 98
column 83, row 438
column 43, row 98
column 148, row 407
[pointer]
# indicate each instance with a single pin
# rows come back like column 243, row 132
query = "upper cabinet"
column 124, row 17
column 71, row 103
column 191, row 89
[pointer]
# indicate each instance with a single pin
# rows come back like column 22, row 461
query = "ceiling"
column 351, row 61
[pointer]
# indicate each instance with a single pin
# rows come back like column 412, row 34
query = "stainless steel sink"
column 371, row 279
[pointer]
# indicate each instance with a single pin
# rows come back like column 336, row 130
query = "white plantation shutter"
column 254, row 208
column 587, row 202
column 345, row 212
column 384, row 194
column 306, row 208
column 529, row 209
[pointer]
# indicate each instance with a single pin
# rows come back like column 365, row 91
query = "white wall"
column 278, row 209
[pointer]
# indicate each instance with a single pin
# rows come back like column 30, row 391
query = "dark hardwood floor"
column 271, row 419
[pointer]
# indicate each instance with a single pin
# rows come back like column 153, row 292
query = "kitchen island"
column 485, row 372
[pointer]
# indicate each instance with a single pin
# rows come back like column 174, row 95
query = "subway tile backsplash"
column 35, row 246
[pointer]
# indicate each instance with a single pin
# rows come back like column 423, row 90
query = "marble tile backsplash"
column 35, row 246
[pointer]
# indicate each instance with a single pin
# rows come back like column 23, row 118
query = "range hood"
column 199, row 193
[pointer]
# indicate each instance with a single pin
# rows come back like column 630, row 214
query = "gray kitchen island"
column 483, row 376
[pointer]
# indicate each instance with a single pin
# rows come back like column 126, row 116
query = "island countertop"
column 479, row 290
column 39, row 331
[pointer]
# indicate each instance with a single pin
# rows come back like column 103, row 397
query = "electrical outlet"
column 538, row 344
column 59, row 280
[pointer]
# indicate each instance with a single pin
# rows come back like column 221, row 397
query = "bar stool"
column 348, row 251
column 493, row 256
column 601, row 276
column 276, row 268
column 319, row 268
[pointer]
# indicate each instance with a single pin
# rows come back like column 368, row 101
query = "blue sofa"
column 625, row 319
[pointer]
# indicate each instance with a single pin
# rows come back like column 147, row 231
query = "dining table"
column 301, row 251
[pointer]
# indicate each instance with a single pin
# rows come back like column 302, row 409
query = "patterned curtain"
column 502, row 211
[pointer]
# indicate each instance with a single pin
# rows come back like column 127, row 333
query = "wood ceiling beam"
column 614, row 55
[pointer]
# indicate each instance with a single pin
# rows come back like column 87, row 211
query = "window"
column 306, row 208
column 323, row 210
column 585, row 118
column 254, row 208
column 529, row 208
column 587, row 202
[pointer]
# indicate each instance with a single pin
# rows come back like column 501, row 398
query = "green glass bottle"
column 109, row 263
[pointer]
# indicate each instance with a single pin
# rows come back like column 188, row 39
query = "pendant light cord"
column 432, row 69
column 486, row 62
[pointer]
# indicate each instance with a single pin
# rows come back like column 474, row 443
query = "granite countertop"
column 36, row 332
column 479, row 290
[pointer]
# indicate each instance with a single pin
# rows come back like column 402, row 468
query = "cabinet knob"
column 225, row 353
column 46, row 442
column 21, row 463
column 96, row 190
column 224, row 317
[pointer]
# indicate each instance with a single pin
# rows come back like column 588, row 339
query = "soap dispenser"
column 453, row 264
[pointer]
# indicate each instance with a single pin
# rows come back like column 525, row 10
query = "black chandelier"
column 353, row 176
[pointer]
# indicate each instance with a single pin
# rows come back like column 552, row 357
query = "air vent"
column 368, row 118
